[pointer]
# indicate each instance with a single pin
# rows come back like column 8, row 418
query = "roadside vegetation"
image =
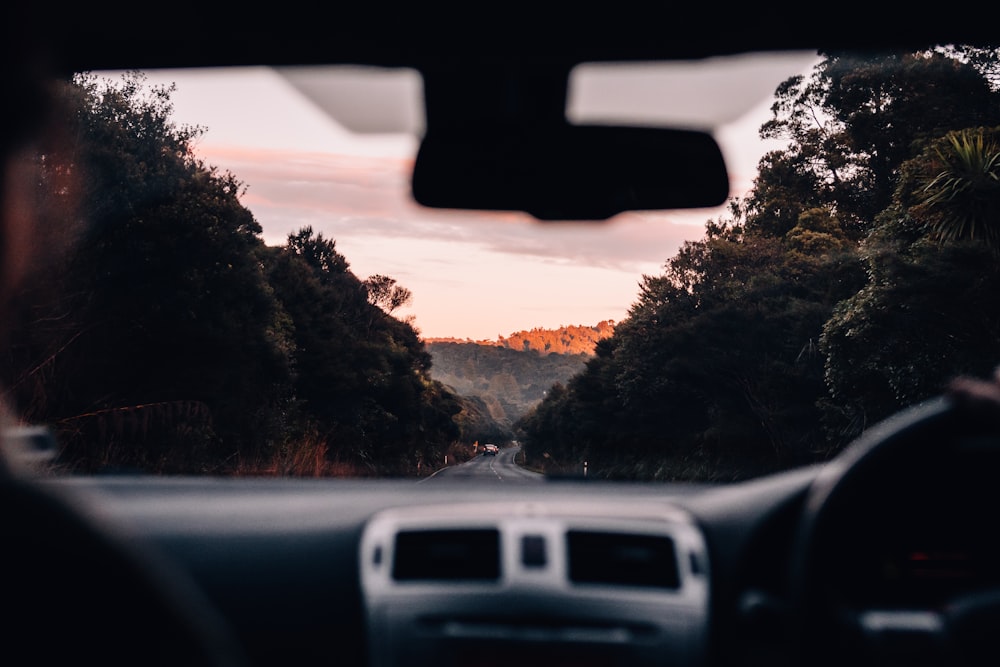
column 159, row 332
column 856, row 278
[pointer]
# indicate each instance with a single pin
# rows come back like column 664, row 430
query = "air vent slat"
column 447, row 555
column 624, row 559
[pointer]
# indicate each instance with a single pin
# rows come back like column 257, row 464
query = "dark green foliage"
column 853, row 123
column 169, row 338
column 929, row 310
column 959, row 193
column 856, row 278
column 716, row 370
column 361, row 375
column 160, row 300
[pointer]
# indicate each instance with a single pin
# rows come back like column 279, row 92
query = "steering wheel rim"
column 827, row 633
column 80, row 592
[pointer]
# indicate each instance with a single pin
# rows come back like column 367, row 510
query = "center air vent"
column 625, row 559
column 447, row 555
column 469, row 583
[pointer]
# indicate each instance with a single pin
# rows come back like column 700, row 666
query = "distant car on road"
column 490, row 450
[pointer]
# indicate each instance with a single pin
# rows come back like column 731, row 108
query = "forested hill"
column 509, row 376
column 508, row 380
column 574, row 339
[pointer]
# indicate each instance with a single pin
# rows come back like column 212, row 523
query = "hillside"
column 512, row 374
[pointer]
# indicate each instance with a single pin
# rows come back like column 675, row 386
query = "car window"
column 231, row 276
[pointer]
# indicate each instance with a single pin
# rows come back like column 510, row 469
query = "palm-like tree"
column 962, row 201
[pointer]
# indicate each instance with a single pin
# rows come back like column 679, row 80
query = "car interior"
column 885, row 554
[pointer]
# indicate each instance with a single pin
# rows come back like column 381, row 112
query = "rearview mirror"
column 570, row 172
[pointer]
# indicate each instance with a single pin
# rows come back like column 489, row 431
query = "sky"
column 473, row 275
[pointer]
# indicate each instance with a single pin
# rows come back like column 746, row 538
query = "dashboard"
column 385, row 572
column 536, row 581
column 884, row 556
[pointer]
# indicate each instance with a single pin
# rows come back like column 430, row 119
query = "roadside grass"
column 689, row 468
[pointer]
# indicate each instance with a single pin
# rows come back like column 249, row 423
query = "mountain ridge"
column 567, row 339
column 506, row 377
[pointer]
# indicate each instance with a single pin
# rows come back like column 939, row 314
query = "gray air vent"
column 519, row 583
column 625, row 559
column 447, row 555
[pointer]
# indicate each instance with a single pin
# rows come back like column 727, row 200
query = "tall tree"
column 855, row 121
column 164, row 301
column 361, row 376
column 961, row 201
column 715, row 373
column 928, row 311
column 386, row 294
column 727, row 363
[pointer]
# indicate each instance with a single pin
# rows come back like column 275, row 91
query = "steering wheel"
column 77, row 593
column 863, row 586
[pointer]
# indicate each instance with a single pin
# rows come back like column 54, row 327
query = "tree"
column 729, row 360
column 169, row 338
column 386, row 294
column 361, row 376
column 927, row 311
column 715, row 373
column 161, row 300
column 319, row 253
column 962, row 200
column 858, row 132
column 854, row 122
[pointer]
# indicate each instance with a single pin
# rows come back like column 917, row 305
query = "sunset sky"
column 473, row 275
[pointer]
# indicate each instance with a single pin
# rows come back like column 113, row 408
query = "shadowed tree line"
column 856, row 278
column 159, row 332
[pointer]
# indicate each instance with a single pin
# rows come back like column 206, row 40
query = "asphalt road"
column 499, row 468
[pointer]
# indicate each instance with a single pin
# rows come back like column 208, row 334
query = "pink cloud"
column 349, row 195
column 473, row 274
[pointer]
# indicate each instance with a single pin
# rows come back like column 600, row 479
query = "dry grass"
column 303, row 457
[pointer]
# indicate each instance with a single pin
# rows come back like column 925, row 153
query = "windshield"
column 230, row 277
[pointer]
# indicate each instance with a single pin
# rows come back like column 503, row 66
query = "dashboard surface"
column 882, row 556
column 290, row 563
column 885, row 555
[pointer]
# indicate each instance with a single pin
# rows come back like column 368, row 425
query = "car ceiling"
column 121, row 36
column 501, row 56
